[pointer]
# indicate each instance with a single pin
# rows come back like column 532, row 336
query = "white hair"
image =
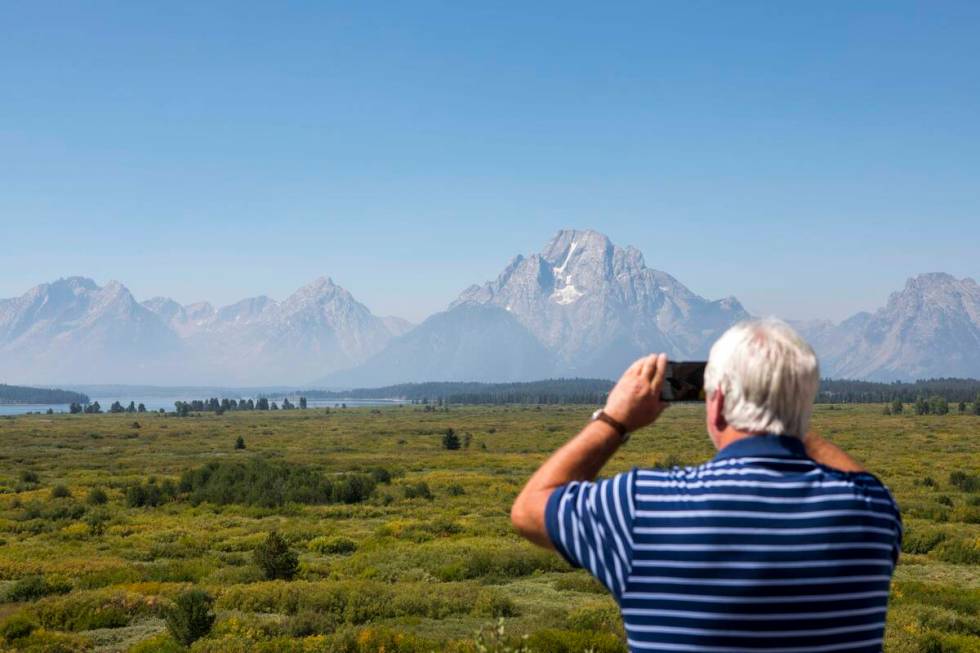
column 768, row 375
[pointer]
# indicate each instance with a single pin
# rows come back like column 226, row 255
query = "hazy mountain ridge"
column 931, row 328
column 580, row 307
column 76, row 331
column 594, row 307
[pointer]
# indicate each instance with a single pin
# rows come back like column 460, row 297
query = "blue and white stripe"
column 759, row 550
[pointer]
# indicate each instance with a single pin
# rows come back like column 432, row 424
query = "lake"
column 167, row 403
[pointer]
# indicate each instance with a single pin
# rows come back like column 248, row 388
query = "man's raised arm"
column 829, row 454
column 634, row 402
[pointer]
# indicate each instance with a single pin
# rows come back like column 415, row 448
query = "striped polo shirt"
column 760, row 549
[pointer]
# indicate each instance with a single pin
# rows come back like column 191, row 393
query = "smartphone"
column 684, row 381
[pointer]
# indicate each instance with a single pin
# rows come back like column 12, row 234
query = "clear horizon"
column 805, row 160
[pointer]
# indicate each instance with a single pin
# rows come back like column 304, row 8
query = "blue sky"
column 806, row 158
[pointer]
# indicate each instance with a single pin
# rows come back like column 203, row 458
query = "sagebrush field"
column 402, row 544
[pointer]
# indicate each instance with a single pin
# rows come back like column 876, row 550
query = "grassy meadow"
column 102, row 526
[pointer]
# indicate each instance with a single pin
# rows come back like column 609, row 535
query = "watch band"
column 602, row 416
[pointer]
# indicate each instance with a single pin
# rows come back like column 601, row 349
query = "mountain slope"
column 74, row 330
column 468, row 342
column 929, row 329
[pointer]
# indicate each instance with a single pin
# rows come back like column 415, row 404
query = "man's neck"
column 730, row 435
column 817, row 448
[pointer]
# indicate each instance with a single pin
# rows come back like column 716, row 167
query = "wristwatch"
column 602, row 416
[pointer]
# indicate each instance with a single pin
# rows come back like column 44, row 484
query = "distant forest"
column 550, row 391
column 15, row 394
column 593, row 391
column 844, row 391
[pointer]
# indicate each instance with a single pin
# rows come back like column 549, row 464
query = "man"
column 780, row 543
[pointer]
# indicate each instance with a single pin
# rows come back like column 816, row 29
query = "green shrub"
column 352, row 602
column 190, row 618
column 32, row 588
column 964, row 481
column 332, row 545
column 16, row 626
column 150, row 494
column 239, row 443
column 959, row 599
column 418, row 490
column 311, row 622
column 161, row 643
column 936, row 642
column 498, row 563
column 60, row 492
column 494, row 639
column 579, row 582
column 491, row 603
column 378, row 639
column 96, row 497
column 551, row 640
column 275, row 558
column 97, row 520
column 261, row 483
column 88, row 610
column 959, row 551
column 968, row 514
column 380, row 475
column 602, row 618
column 921, row 539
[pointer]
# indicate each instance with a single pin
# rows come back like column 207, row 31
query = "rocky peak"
column 583, row 295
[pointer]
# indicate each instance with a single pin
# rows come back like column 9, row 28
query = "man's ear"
column 716, row 410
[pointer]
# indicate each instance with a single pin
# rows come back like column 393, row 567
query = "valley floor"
column 424, row 561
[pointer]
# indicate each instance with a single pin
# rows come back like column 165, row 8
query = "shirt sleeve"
column 591, row 526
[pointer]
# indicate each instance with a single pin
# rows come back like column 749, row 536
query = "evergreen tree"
column 976, row 405
column 240, row 443
column 896, row 406
column 75, row 408
column 962, row 407
column 116, row 407
column 275, row 558
column 262, row 404
column 302, row 403
column 921, row 407
column 190, row 617
column 450, row 440
column 141, row 408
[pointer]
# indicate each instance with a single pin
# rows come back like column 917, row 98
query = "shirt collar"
column 769, row 446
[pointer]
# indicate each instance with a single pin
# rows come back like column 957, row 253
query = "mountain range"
column 582, row 307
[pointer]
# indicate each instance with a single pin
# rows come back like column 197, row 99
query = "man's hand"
column 635, row 399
